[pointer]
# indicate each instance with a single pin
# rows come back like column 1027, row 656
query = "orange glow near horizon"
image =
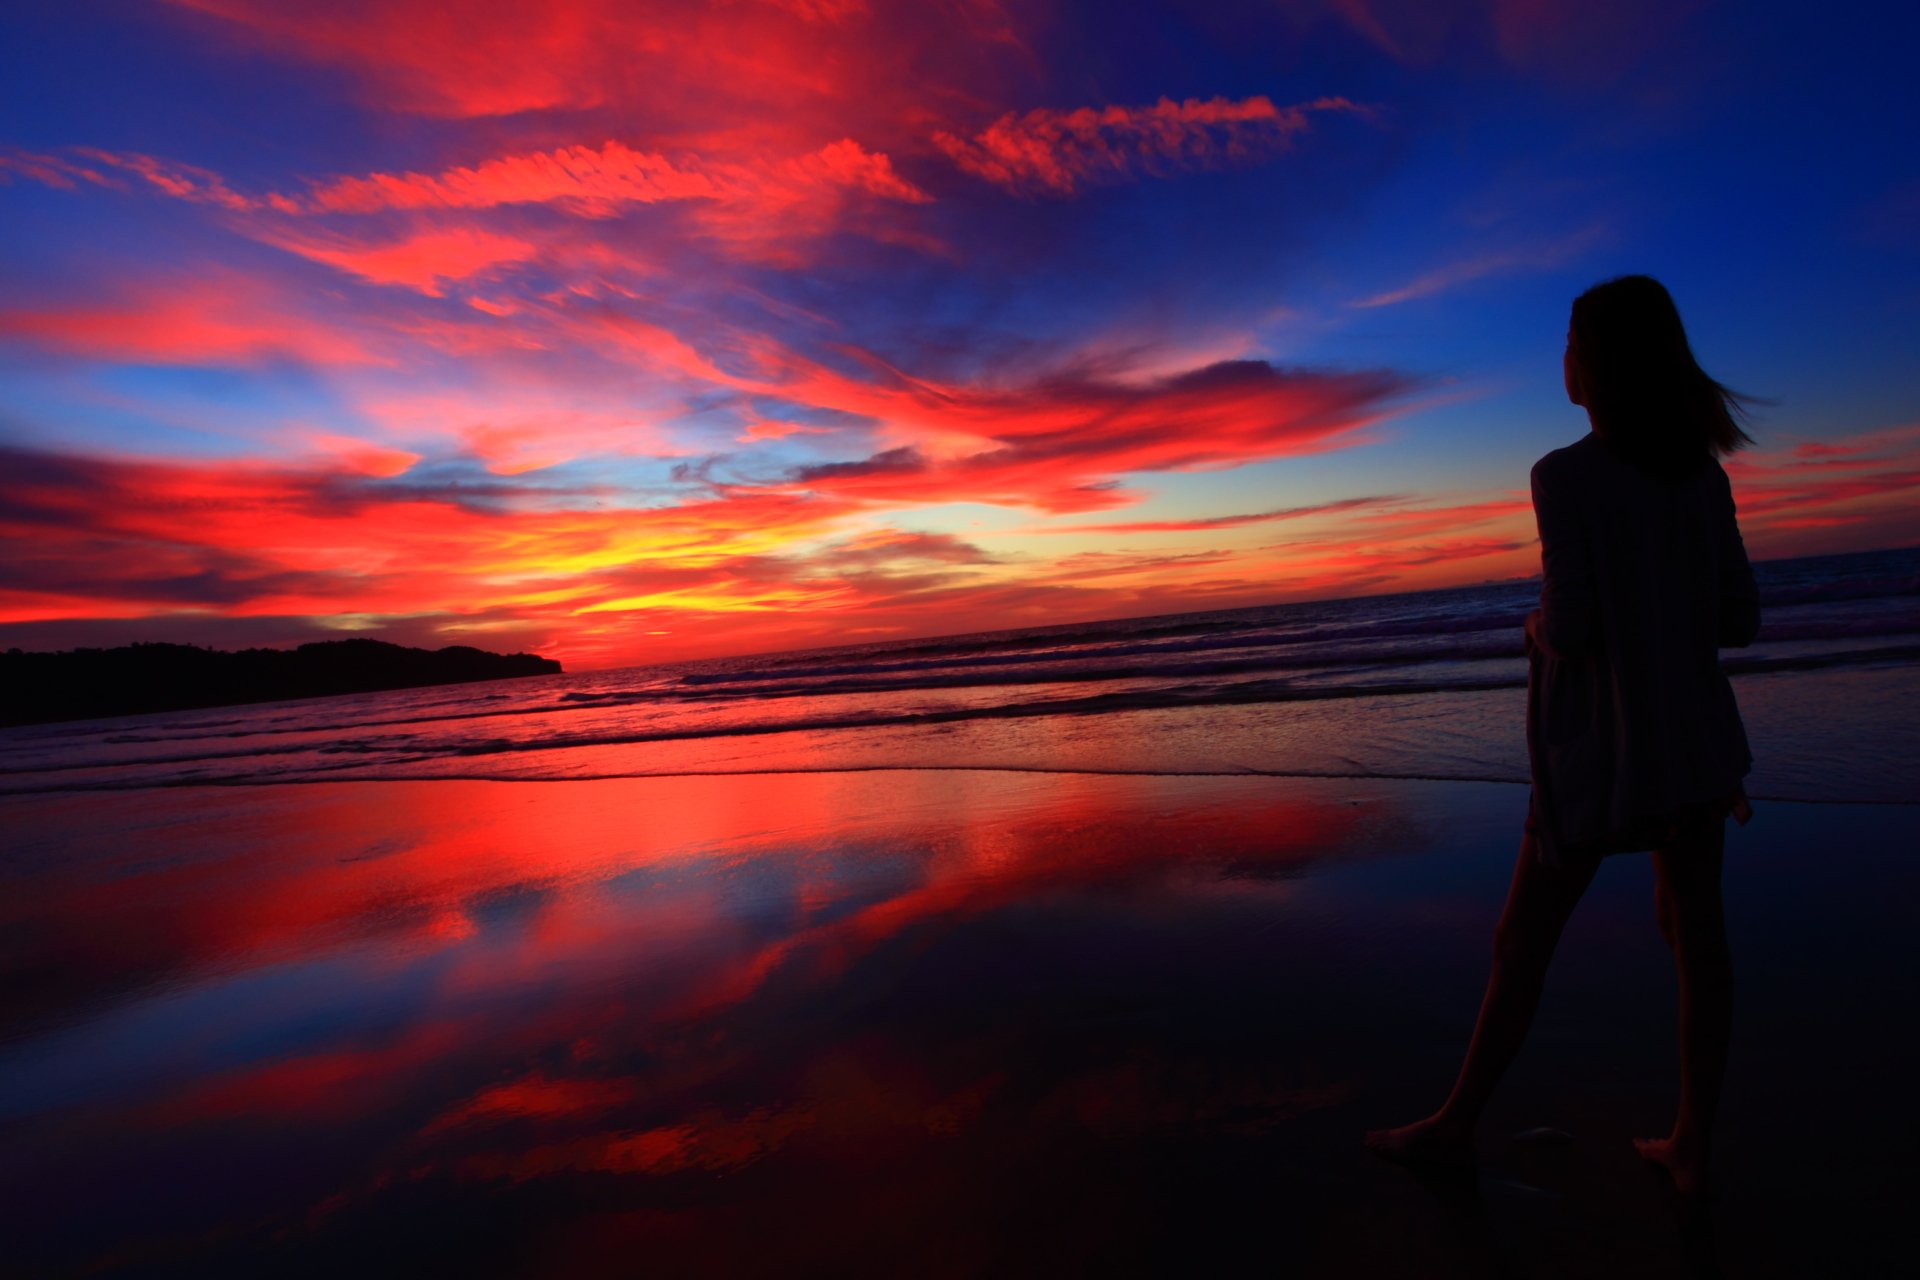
column 600, row 585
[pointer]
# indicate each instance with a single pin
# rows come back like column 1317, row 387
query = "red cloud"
column 1061, row 444
column 1056, row 152
column 753, row 203
column 206, row 319
column 422, row 261
column 686, row 68
column 1058, row 442
column 1864, row 484
column 457, row 61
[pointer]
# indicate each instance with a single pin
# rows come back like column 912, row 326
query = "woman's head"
column 1628, row 364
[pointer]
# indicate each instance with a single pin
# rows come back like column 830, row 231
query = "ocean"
column 1421, row 685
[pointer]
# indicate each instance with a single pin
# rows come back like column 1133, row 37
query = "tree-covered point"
column 87, row 683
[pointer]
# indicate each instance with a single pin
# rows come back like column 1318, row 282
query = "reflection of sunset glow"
column 588, row 968
column 716, row 327
column 588, row 1022
column 451, row 847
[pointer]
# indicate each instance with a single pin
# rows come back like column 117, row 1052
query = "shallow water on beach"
column 875, row 1023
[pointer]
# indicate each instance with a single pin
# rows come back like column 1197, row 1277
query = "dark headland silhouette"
column 86, row 683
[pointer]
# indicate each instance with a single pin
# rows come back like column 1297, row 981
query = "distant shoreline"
column 137, row 679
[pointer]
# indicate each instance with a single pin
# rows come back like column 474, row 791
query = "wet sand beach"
column 914, row 1021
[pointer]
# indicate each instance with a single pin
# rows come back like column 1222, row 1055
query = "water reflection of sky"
column 306, row 995
column 942, row 1022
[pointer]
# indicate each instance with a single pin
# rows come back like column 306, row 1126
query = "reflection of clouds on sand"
column 1069, row 848
column 854, row 1023
column 530, row 982
column 707, row 1141
column 440, row 861
column 534, row 1096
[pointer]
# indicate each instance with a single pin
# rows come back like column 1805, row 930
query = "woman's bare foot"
column 1433, row 1141
column 1684, row 1162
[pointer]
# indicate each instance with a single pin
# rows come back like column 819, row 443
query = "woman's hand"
column 1532, row 625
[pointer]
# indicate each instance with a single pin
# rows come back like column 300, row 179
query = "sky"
column 641, row 332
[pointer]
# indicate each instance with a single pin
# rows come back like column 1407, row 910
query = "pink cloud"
column 51, row 170
column 181, row 181
column 591, row 181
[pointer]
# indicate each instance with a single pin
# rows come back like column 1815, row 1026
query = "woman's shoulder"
column 1716, row 475
column 1558, row 467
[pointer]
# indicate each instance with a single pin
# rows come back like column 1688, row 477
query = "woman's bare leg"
column 1691, row 916
column 1539, row 902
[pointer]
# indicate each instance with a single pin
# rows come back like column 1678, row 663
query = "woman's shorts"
column 1686, row 824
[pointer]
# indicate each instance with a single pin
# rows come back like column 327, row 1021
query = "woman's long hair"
column 1643, row 390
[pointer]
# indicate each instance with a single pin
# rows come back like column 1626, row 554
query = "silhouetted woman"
column 1633, row 736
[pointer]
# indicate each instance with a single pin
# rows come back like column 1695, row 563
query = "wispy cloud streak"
column 1200, row 523
column 1486, row 264
column 1055, row 152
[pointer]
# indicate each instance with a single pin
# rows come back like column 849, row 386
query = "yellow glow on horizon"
column 702, row 600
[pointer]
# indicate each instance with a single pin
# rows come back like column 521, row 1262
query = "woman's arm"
column 1739, row 597
column 1563, row 627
